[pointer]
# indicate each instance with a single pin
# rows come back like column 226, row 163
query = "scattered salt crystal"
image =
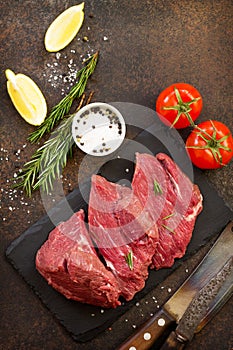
column 58, row 55
column 126, row 320
column 187, row 270
column 3, row 219
column 169, row 290
column 101, row 311
column 10, row 208
column 134, row 325
column 105, row 38
column 137, row 304
column 92, row 315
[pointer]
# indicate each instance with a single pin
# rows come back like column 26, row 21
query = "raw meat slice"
column 70, row 264
column 172, row 200
column 124, row 232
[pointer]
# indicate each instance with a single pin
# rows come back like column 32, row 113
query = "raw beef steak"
column 68, row 261
column 172, row 200
column 124, row 232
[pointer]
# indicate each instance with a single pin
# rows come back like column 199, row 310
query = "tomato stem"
column 212, row 143
column 182, row 108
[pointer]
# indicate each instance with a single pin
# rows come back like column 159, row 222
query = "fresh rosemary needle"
column 48, row 161
column 60, row 110
column 129, row 259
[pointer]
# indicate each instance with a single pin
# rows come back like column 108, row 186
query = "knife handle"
column 149, row 332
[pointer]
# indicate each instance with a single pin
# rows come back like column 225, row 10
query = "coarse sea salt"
column 62, row 71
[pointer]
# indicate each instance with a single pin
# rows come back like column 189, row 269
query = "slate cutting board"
column 83, row 321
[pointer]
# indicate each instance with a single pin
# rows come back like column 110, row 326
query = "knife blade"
column 198, row 309
column 224, row 294
column 173, row 310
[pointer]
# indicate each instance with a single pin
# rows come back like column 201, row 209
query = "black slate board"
column 78, row 318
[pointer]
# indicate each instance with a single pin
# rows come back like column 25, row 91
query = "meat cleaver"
column 193, row 304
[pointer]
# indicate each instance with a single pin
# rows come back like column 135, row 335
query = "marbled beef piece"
column 124, row 232
column 70, row 264
column 172, row 200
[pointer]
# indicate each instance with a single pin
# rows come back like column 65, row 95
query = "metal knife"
column 197, row 309
column 219, row 256
column 224, row 294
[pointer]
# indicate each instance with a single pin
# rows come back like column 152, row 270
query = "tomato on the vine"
column 179, row 105
column 210, row 145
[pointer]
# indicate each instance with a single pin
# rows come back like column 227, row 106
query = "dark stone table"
column 144, row 46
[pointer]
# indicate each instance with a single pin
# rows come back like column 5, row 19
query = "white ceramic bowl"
column 98, row 129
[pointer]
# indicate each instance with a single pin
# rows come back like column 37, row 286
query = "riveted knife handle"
column 173, row 342
column 149, row 332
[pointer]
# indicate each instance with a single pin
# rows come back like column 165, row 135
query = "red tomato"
column 179, row 105
column 210, row 145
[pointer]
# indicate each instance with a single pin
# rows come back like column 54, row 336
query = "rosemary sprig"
column 168, row 216
column 129, row 259
column 157, row 188
column 168, row 228
column 59, row 111
column 54, row 155
column 165, row 226
column 48, row 161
